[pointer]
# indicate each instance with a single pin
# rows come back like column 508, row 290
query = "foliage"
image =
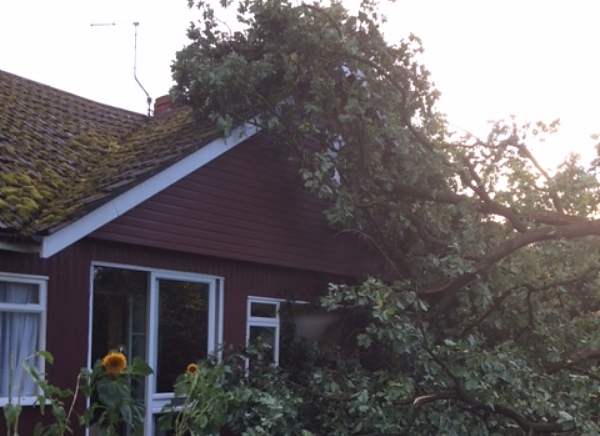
column 260, row 401
column 114, row 406
column 204, row 401
column 117, row 403
column 481, row 317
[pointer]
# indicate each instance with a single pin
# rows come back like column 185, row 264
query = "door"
column 168, row 318
column 184, row 328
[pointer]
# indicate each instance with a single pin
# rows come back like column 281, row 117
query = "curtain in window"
column 18, row 338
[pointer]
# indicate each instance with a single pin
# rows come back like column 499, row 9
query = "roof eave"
column 20, row 247
column 75, row 231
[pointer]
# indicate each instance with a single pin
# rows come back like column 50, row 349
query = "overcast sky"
column 534, row 59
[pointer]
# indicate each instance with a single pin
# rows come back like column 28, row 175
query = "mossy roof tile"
column 62, row 155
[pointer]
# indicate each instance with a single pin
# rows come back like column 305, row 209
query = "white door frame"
column 153, row 401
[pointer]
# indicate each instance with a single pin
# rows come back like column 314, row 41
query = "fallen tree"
column 482, row 317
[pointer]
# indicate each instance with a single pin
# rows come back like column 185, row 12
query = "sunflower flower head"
column 114, row 363
column 191, row 369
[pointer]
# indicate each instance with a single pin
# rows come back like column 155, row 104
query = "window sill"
column 22, row 401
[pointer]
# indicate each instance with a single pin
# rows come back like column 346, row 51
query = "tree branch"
column 553, row 194
column 575, row 359
column 451, row 286
column 497, row 304
column 525, row 424
column 540, row 217
column 423, row 232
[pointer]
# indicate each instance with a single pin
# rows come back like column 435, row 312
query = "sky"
column 535, row 59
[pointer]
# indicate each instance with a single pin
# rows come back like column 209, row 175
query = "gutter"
column 20, row 247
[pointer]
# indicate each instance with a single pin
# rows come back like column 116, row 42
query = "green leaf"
column 47, row 356
column 564, row 416
column 11, row 413
column 140, row 367
column 111, row 393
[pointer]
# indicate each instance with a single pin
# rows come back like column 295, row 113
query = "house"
column 155, row 234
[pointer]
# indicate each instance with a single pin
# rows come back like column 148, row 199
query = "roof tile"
column 62, row 155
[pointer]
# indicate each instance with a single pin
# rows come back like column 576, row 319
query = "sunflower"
column 192, row 369
column 114, row 363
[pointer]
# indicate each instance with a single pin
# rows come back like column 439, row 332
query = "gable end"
column 124, row 202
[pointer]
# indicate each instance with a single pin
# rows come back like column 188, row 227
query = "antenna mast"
column 135, row 25
column 148, row 98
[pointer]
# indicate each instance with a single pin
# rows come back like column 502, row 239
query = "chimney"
column 164, row 105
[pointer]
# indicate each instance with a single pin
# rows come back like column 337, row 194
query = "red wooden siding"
column 246, row 205
column 69, row 287
column 67, row 315
column 241, row 278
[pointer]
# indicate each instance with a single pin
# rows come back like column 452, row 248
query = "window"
column 263, row 323
column 270, row 319
column 22, row 333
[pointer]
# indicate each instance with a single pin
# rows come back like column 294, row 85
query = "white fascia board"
column 87, row 224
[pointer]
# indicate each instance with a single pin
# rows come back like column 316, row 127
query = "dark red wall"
column 69, row 283
column 248, row 204
column 67, row 315
column 241, row 279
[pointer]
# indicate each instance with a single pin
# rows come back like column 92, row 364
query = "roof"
column 63, row 156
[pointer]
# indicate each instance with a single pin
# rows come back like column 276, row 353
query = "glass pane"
column 182, row 329
column 19, row 336
column 138, row 345
column 119, row 318
column 263, row 310
column 19, row 293
column 264, row 336
column 157, row 424
column 138, row 314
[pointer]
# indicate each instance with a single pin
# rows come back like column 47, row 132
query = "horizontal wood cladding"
column 241, row 279
column 247, row 205
column 69, row 284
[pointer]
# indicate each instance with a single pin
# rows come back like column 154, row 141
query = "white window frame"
column 217, row 298
column 215, row 328
column 259, row 321
column 41, row 309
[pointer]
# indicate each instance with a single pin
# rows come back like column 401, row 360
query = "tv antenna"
column 135, row 25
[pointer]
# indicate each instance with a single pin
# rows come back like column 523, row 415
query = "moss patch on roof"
column 62, row 155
